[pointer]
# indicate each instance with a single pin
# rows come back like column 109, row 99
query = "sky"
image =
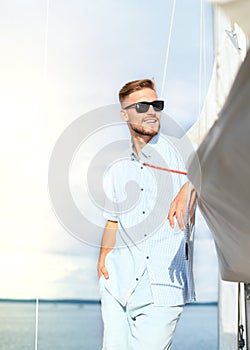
column 60, row 61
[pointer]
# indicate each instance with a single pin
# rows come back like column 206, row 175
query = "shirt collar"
column 147, row 149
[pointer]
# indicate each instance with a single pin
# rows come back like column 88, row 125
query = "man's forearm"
column 179, row 205
column 108, row 243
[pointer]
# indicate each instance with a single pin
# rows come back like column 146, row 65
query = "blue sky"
column 52, row 74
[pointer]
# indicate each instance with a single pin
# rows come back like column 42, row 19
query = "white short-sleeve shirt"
column 139, row 197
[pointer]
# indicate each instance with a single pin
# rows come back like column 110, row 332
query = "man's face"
column 147, row 123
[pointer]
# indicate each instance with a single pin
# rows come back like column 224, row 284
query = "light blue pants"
column 140, row 325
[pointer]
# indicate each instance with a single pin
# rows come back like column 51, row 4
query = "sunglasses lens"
column 141, row 107
column 158, row 105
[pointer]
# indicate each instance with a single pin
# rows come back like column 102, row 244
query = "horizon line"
column 84, row 301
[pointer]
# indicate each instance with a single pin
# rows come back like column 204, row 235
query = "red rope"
column 166, row 169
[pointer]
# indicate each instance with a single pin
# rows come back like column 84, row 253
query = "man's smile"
column 150, row 121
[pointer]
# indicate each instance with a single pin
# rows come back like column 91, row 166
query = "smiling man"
column 145, row 263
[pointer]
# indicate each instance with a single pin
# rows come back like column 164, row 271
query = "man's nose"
column 151, row 110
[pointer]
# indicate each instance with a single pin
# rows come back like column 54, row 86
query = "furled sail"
column 224, row 197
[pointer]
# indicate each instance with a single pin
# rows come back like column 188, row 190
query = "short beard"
column 142, row 131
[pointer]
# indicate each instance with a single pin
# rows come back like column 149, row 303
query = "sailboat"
column 223, row 135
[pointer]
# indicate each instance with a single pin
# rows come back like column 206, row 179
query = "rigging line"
column 200, row 58
column 204, row 63
column 165, row 169
column 45, row 56
column 200, row 64
column 167, row 51
column 44, row 77
column 36, row 328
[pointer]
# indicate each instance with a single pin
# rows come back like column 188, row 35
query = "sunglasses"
column 143, row 107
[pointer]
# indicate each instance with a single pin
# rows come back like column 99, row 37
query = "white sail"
column 227, row 60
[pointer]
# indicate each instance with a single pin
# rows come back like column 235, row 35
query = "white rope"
column 167, row 52
column 201, row 55
column 45, row 56
column 204, row 61
column 202, row 68
column 36, row 328
column 204, row 52
column 45, row 60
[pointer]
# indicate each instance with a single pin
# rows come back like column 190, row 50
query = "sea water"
column 78, row 326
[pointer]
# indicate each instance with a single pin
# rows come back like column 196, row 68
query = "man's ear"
column 124, row 115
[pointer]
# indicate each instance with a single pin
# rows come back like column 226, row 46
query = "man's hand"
column 102, row 270
column 178, row 207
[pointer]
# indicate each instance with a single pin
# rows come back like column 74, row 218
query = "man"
column 145, row 263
